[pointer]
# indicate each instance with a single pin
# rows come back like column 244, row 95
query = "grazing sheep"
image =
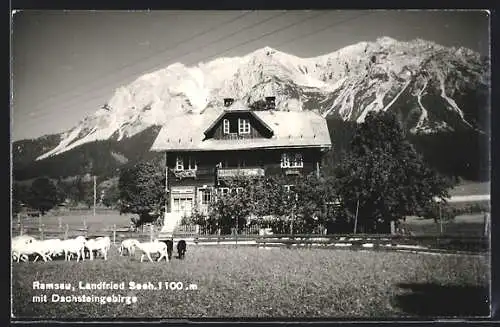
column 53, row 247
column 22, row 250
column 50, row 248
column 181, row 249
column 149, row 248
column 19, row 247
column 74, row 246
column 129, row 245
column 100, row 244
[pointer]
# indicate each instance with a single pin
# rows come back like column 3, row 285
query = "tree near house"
column 142, row 191
column 313, row 196
column 385, row 174
column 270, row 198
column 43, row 195
column 268, row 202
column 233, row 209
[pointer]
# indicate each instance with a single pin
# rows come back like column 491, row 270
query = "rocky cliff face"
column 432, row 88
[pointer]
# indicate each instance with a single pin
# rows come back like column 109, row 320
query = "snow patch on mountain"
column 350, row 82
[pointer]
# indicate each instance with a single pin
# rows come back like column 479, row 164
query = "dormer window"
column 292, row 160
column 226, row 126
column 243, row 126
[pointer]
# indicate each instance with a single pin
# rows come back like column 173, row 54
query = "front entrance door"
column 183, row 200
column 183, row 205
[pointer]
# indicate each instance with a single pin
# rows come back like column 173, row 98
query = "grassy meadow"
column 266, row 283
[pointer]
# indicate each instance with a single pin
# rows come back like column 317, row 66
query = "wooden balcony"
column 181, row 174
column 293, row 171
column 231, row 136
column 234, row 172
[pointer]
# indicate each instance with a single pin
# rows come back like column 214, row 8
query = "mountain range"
column 433, row 89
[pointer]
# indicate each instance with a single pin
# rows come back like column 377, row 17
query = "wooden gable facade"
column 238, row 125
column 237, row 142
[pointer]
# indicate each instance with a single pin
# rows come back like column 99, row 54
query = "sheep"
column 181, row 249
column 23, row 250
column 17, row 252
column 148, row 248
column 50, row 248
column 129, row 245
column 55, row 247
column 100, row 244
column 74, row 246
column 19, row 247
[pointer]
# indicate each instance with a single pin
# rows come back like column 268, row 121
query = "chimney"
column 270, row 103
column 228, row 102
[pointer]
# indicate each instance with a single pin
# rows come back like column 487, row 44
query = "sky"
column 66, row 64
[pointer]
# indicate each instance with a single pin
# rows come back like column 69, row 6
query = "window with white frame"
column 225, row 126
column 185, row 163
column 243, row 126
column 206, row 196
column 291, row 160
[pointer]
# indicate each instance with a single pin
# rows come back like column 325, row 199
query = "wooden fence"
column 63, row 231
column 249, row 235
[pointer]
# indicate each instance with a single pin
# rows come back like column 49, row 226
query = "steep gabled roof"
column 291, row 129
column 238, row 107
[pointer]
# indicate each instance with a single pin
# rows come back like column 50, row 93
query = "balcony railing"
column 233, row 172
column 231, row 136
column 181, row 174
column 292, row 171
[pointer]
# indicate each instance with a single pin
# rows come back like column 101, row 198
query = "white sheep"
column 50, row 248
column 129, row 245
column 54, row 247
column 149, row 248
column 100, row 244
column 18, row 247
column 24, row 250
column 74, row 246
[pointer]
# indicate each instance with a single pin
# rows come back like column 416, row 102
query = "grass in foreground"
column 271, row 283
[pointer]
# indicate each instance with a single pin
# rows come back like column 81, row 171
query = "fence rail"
column 248, row 235
column 117, row 234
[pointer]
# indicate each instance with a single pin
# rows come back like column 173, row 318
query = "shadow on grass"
column 435, row 300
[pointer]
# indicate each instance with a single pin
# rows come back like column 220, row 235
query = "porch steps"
column 172, row 221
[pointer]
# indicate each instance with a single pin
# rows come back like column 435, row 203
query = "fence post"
column 41, row 232
column 151, row 233
column 59, row 220
column 114, row 234
column 66, row 232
